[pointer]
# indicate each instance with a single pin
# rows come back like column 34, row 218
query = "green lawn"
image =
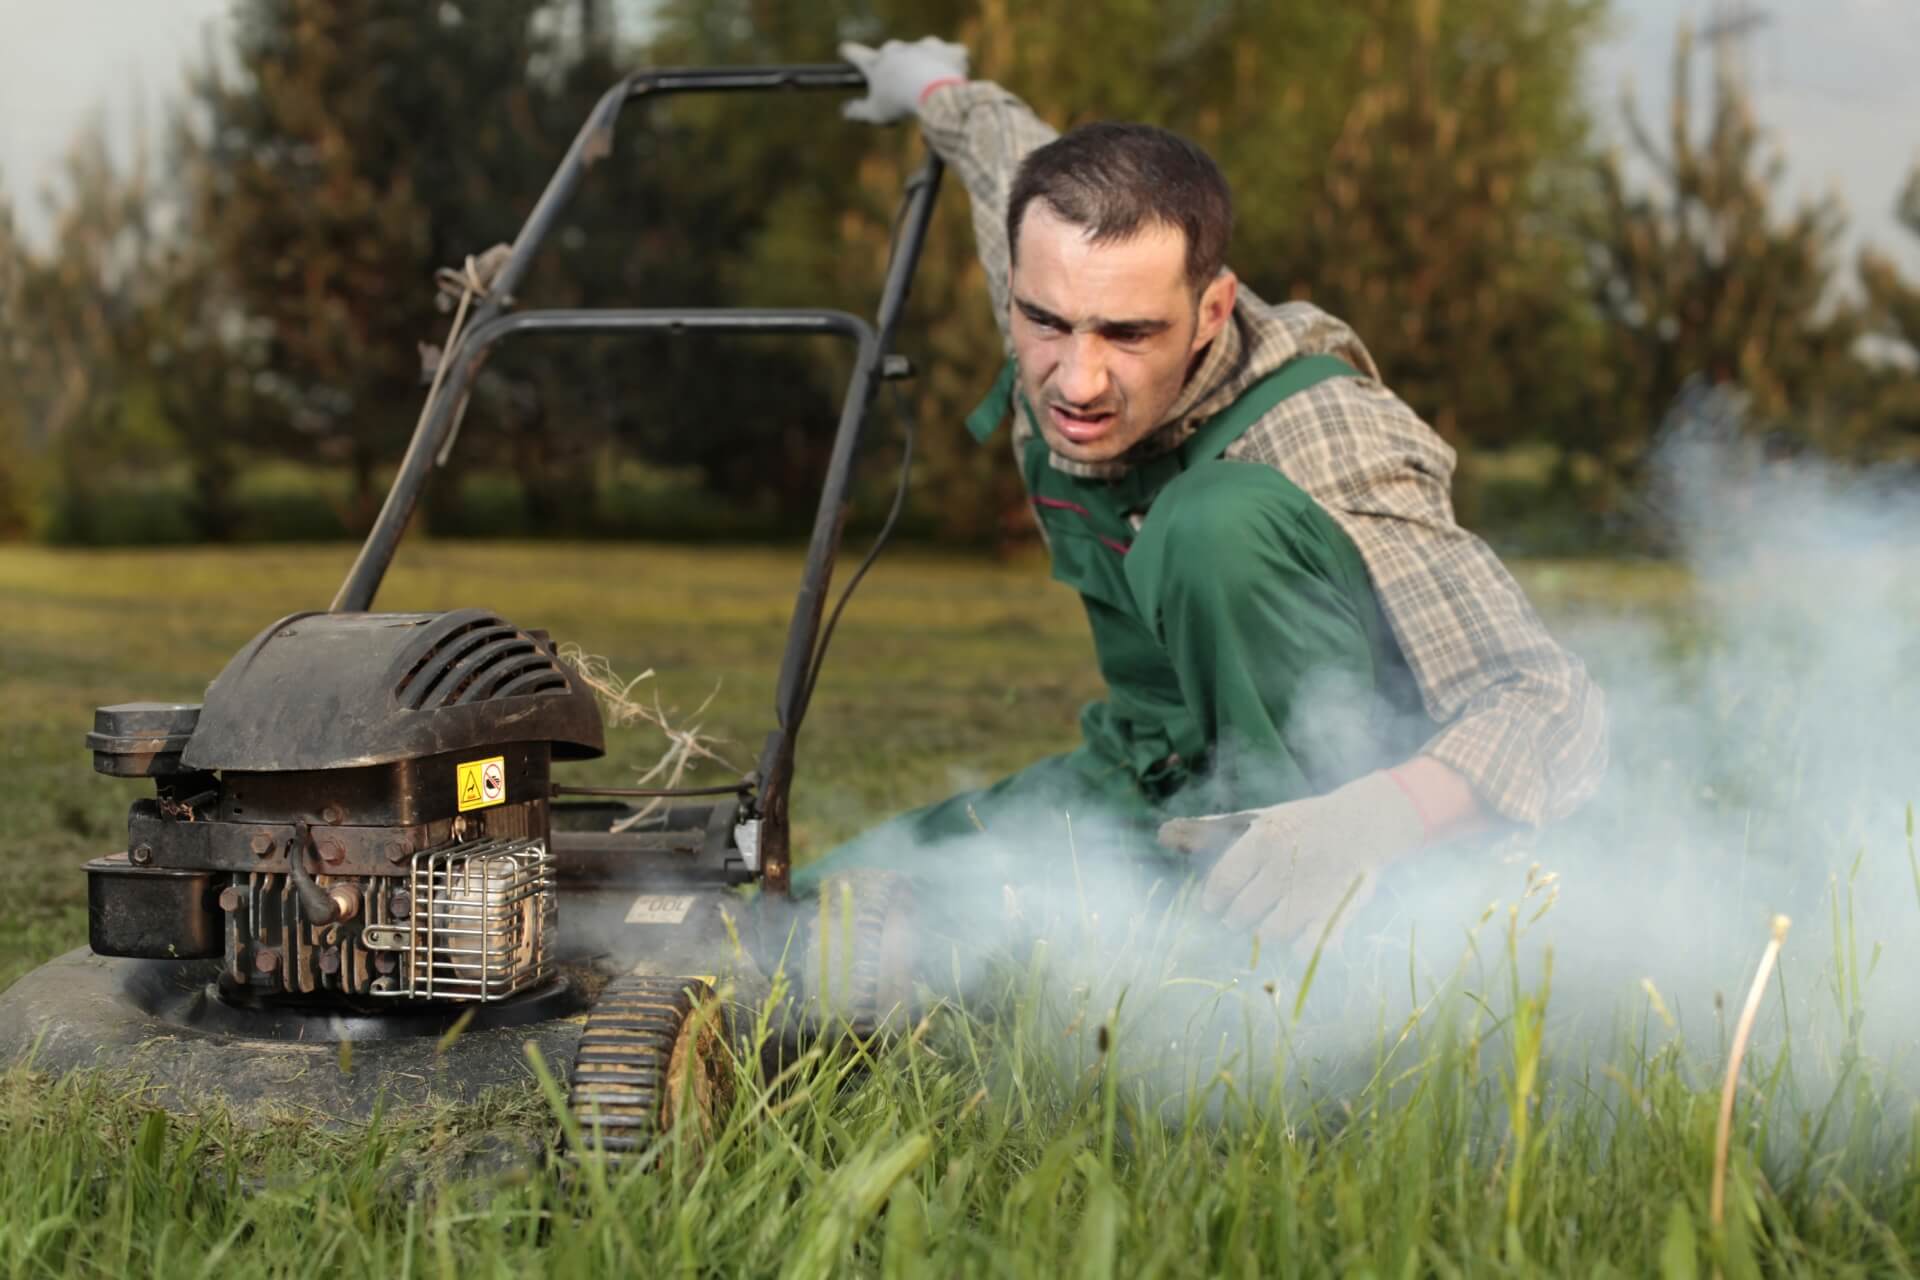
column 1048, row 1127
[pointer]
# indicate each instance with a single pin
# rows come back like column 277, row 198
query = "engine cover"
column 360, row 808
column 340, row 690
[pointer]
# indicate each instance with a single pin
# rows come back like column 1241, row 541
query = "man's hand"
column 899, row 73
column 1285, row 870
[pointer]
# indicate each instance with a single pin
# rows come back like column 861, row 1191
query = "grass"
column 1111, row 1100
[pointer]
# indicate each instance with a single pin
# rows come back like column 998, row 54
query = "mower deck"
column 634, row 903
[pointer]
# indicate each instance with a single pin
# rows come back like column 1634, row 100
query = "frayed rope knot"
column 456, row 290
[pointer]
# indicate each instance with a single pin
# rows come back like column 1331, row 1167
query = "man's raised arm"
column 978, row 128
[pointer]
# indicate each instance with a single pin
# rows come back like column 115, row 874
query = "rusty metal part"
column 364, row 851
column 140, row 855
column 270, row 916
column 183, row 810
column 346, row 901
column 776, row 853
column 266, row 959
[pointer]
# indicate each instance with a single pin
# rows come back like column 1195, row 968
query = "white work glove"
column 898, row 73
column 1285, row 869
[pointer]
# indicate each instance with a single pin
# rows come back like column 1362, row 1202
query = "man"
column 1290, row 623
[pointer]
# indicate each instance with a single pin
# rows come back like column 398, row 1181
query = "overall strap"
column 1219, row 432
column 990, row 412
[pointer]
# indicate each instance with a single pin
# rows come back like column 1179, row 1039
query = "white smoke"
column 1765, row 721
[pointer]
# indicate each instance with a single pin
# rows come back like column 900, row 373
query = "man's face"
column 1106, row 333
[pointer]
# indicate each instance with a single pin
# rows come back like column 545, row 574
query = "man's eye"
column 1041, row 320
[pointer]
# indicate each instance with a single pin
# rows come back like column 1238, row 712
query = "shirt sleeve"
column 1518, row 715
column 1527, row 727
column 983, row 132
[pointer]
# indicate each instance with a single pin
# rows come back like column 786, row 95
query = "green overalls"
column 1246, row 658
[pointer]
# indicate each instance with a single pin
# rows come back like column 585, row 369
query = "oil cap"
column 141, row 739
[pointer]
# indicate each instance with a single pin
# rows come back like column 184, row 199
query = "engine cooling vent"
column 475, row 656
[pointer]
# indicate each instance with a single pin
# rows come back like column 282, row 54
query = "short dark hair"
column 1114, row 179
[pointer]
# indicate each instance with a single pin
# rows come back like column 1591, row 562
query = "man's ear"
column 1216, row 305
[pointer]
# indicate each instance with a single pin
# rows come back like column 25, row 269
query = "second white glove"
column 1286, row 869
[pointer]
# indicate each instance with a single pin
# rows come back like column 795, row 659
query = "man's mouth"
column 1079, row 426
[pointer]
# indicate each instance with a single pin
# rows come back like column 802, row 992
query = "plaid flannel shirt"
column 1517, row 714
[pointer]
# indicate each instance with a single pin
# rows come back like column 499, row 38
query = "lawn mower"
column 358, row 876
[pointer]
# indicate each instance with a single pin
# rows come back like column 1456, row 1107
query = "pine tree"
column 1699, row 276
column 356, row 147
column 1437, row 221
column 16, row 366
column 1893, row 307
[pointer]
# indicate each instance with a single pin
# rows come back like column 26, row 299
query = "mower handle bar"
column 593, row 143
column 487, row 324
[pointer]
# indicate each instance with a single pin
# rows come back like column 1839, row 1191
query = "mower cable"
column 873, row 552
column 905, row 409
column 740, row 788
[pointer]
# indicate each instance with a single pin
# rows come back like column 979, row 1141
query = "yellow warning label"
column 482, row 783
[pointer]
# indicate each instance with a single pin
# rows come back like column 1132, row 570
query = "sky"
column 1837, row 82
column 1834, row 79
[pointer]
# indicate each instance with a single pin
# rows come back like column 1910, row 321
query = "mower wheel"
column 651, row 1046
column 861, row 957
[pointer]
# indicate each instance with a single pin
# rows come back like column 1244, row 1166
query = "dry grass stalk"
column 1741, row 1031
column 686, row 747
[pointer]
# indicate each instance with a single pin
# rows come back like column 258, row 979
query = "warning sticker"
column 482, row 783
column 659, row 908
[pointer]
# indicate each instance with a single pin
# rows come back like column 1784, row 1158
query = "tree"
column 16, row 365
column 74, row 333
column 1699, row 276
column 1438, row 221
column 1893, row 309
column 120, row 358
column 356, row 147
column 1414, row 190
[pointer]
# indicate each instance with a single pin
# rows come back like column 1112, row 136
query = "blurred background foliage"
column 220, row 340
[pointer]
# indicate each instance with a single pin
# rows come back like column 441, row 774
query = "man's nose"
column 1082, row 378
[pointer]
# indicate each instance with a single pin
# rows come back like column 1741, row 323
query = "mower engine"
column 358, row 813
